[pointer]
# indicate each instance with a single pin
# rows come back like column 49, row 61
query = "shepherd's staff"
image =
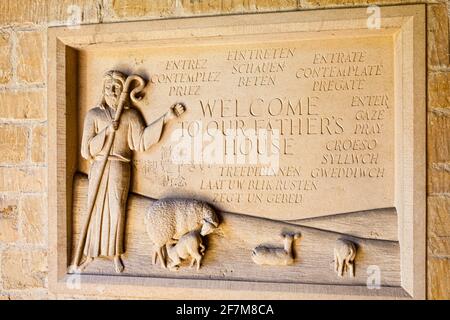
column 109, row 143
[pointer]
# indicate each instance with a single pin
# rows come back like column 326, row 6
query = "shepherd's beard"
column 111, row 102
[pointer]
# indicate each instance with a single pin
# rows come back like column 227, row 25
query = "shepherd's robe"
column 106, row 227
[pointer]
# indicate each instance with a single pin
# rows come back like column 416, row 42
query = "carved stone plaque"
column 277, row 154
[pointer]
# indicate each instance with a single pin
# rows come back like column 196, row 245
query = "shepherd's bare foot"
column 74, row 269
column 84, row 264
column 118, row 265
column 174, row 268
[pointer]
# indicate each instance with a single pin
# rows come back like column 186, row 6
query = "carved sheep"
column 344, row 256
column 169, row 219
column 189, row 245
column 276, row 256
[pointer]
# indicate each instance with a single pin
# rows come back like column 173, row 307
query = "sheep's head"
column 208, row 227
column 210, row 220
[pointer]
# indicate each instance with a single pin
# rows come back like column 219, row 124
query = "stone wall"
column 23, row 122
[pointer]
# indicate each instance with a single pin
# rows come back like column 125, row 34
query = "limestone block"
column 13, row 143
column 33, row 216
column 30, row 55
column 438, row 133
column 439, row 89
column 23, row 269
column 5, row 58
column 437, row 31
column 438, row 178
column 141, row 8
column 9, row 226
column 39, row 144
column 23, row 179
column 438, row 278
column 22, row 12
column 28, row 105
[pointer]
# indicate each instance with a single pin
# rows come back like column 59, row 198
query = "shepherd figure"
column 112, row 131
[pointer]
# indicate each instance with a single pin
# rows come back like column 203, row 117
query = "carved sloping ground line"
column 228, row 254
column 381, row 224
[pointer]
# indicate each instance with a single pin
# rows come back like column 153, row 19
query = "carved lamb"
column 169, row 219
column 276, row 256
column 344, row 256
column 189, row 245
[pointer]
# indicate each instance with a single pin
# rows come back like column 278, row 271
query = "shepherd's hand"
column 178, row 109
column 175, row 111
column 114, row 125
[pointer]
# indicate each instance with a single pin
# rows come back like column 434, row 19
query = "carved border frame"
column 407, row 26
